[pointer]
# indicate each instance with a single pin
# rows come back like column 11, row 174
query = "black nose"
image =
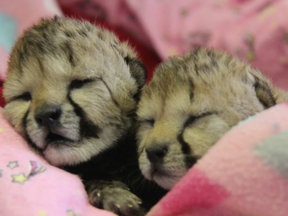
column 48, row 116
column 157, row 153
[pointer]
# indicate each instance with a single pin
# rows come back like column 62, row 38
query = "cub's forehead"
column 202, row 68
column 203, row 75
column 67, row 43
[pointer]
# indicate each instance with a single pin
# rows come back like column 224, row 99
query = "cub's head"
column 189, row 104
column 71, row 89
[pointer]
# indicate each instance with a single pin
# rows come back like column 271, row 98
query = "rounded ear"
column 264, row 92
column 138, row 72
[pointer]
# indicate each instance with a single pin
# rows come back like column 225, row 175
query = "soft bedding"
column 255, row 30
column 31, row 187
column 245, row 173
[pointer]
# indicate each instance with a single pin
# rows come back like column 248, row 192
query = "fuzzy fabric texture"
column 244, row 174
column 31, row 187
column 255, row 30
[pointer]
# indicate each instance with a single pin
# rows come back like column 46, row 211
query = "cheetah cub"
column 71, row 92
column 190, row 103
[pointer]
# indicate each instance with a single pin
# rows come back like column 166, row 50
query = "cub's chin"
column 165, row 173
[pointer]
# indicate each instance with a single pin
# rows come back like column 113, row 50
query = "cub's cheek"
column 15, row 112
column 203, row 136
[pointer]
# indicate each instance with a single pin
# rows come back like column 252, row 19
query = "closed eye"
column 193, row 119
column 25, row 97
column 77, row 84
column 149, row 121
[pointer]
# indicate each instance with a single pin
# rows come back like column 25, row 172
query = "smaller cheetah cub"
column 190, row 103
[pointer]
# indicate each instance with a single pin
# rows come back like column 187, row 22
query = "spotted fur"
column 71, row 92
column 190, row 103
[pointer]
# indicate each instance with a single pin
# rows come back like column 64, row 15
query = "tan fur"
column 44, row 62
column 71, row 90
column 208, row 84
column 40, row 64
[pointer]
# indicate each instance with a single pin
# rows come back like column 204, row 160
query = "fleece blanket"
column 31, row 187
column 255, row 30
column 244, row 174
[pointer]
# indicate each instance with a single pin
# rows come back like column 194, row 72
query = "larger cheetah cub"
column 190, row 103
column 71, row 92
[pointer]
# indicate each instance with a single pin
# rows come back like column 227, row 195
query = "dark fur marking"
column 42, row 28
column 41, row 48
column 100, row 36
column 192, row 119
column 26, row 135
column 213, row 58
column 205, row 68
column 228, row 60
column 195, row 59
column 21, row 59
column 189, row 159
column 79, row 83
column 138, row 72
column 45, row 36
column 263, row 93
column 115, row 47
column 185, row 146
column 69, row 34
column 196, row 68
column 191, row 90
column 214, row 63
column 127, row 59
column 87, row 128
column 56, row 19
column 69, row 49
column 76, row 84
column 25, row 97
column 89, row 28
column 21, row 56
column 83, row 33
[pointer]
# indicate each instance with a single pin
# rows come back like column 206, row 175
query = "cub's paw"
column 117, row 198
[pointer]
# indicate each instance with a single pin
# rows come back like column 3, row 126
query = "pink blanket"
column 244, row 174
column 256, row 30
column 31, row 187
